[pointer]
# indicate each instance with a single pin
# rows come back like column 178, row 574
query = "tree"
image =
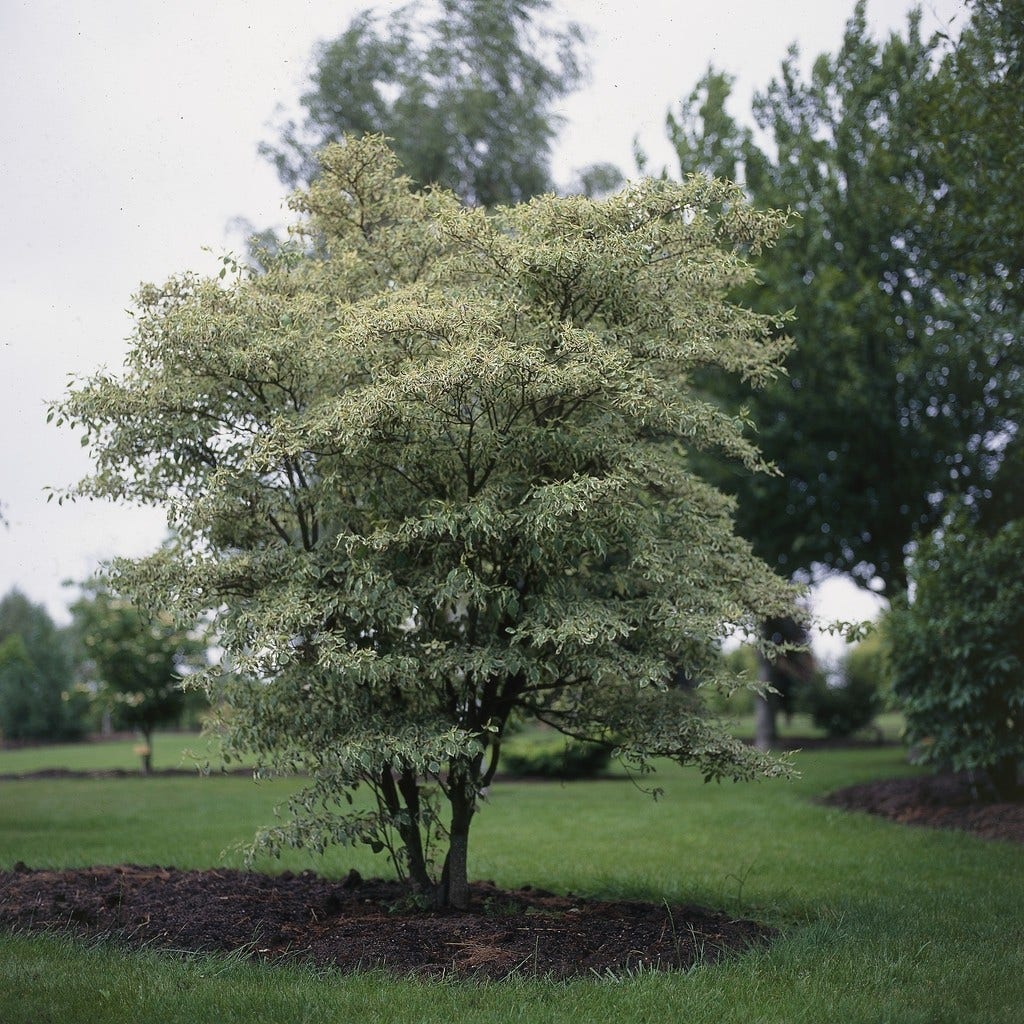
column 902, row 388
column 886, row 324
column 975, row 114
column 138, row 661
column 706, row 137
column 957, row 655
column 35, row 675
column 439, row 479
column 466, row 96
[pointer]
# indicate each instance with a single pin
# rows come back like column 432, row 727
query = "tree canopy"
column 465, row 92
column 438, row 479
column 900, row 269
column 136, row 659
column 36, row 676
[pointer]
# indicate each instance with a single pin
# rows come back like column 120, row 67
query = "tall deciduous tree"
column 904, row 273
column 465, row 93
column 439, row 479
column 900, row 390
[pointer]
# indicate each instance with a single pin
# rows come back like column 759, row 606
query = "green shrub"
column 867, row 664
column 845, row 708
column 550, row 755
column 957, row 652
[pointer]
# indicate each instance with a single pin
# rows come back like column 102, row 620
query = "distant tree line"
column 112, row 667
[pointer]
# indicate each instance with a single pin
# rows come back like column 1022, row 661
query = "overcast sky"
column 129, row 132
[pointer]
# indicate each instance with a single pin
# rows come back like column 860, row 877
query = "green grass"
column 188, row 750
column 170, row 750
column 889, row 724
column 881, row 922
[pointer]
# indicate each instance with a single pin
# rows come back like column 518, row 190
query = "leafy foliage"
column 958, row 651
column 902, row 388
column 439, row 479
column 465, row 95
column 37, row 698
column 551, row 756
column 844, row 708
column 137, row 659
column 867, row 663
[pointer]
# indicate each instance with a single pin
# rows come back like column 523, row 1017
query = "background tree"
column 975, row 116
column 439, row 479
column 36, row 682
column 137, row 660
column 847, row 700
column 902, row 388
column 466, row 94
column 888, row 402
column 978, row 222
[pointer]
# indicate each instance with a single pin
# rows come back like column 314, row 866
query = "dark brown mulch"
column 941, row 801
column 355, row 924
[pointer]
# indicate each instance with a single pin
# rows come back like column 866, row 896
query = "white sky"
column 129, row 132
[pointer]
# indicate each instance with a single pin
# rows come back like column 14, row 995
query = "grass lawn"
column 881, row 922
column 170, row 750
column 887, row 726
column 188, row 750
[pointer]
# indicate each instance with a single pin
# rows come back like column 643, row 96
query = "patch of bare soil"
column 355, row 924
column 941, row 801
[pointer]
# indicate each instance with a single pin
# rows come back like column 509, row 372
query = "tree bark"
column 146, row 754
column 765, row 733
column 453, row 892
column 412, row 838
column 1003, row 776
column 412, row 835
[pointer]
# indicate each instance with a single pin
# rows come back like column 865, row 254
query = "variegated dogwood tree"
column 430, row 473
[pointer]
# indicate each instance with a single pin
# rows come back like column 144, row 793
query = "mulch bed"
column 949, row 800
column 355, row 924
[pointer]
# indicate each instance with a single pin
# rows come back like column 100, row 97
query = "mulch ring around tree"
column 940, row 801
column 357, row 925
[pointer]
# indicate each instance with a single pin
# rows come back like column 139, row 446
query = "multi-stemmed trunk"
column 400, row 792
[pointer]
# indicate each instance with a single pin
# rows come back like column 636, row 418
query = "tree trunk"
column 453, row 892
column 765, row 734
column 789, row 670
column 145, row 750
column 412, row 837
column 1003, row 775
